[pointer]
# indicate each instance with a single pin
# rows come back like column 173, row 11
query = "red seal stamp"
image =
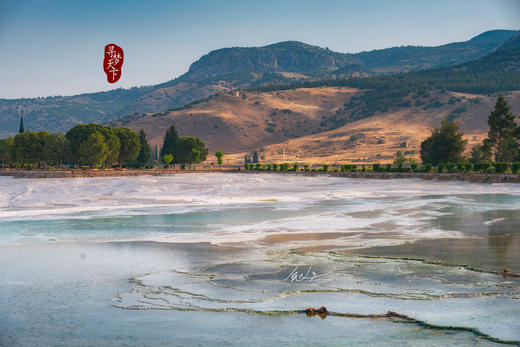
column 113, row 62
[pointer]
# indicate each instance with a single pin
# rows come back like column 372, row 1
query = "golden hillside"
column 245, row 121
column 307, row 124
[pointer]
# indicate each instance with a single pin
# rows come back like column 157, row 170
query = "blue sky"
column 56, row 47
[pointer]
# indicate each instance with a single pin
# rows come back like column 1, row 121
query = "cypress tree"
column 144, row 153
column 219, row 155
column 170, row 142
column 21, row 129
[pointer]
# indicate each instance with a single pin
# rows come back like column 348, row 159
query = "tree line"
column 90, row 145
column 95, row 145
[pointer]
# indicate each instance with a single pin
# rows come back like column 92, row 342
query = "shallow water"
column 199, row 259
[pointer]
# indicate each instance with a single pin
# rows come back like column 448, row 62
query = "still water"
column 230, row 259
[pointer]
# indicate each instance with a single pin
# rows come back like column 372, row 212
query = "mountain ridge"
column 266, row 65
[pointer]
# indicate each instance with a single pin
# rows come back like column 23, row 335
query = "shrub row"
column 271, row 167
column 462, row 167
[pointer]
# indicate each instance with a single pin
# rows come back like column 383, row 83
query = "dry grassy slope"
column 378, row 138
column 239, row 123
column 246, row 121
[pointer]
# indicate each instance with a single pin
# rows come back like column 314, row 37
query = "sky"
column 50, row 48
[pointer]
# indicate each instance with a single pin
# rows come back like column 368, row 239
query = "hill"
column 498, row 71
column 378, row 138
column 286, row 63
column 243, row 121
column 293, row 56
column 308, row 123
column 227, row 69
column 382, row 115
column 420, row 58
column 60, row 113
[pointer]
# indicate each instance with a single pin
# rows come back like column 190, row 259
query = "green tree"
column 27, row 148
column 81, row 132
column 185, row 147
column 5, row 151
column 501, row 135
column 130, row 145
column 113, row 145
column 195, row 156
column 144, row 153
column 170, row 142
column 481, row 153
column 56, row 149
column 445, row 145
column 21, row 129
column 37, row 145
column 167, row 159
column 16, row 156
column 94, row 150
column 255, row 157
column 401, row 160
column 219, row 155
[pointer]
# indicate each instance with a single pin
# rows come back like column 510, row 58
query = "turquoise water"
column 207, row 259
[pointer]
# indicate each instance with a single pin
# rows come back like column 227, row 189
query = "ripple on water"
column 432, row 294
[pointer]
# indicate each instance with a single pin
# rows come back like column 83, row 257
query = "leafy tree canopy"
column 167, row 158
column 56, row 148
column 94, row 150
column 185, row 147
column 80, row 133
column 129, row 144
column 445, row 145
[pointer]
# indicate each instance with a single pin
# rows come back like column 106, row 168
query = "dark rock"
column 321, row 312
